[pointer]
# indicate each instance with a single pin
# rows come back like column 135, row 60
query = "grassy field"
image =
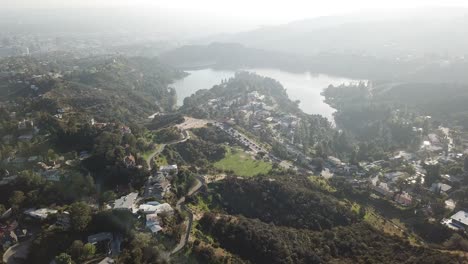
column 378, row 221
column 160, row 160
column 242, row 164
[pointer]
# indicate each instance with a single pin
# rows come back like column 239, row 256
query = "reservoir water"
column 305, row 87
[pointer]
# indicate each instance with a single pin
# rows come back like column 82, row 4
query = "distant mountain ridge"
column 416, row 32
column 357, row 66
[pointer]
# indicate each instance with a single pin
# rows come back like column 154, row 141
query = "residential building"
column 129, row 161
column 404, row 199
column 40, row 214
column 125, row 130
column 63, row 220
column 335, row 161
column 459, row 220
column 156, row 208
column 393, row 176
column 168, row 168
column 52, row 175
column 152, row 223
column 381, row 187
column 450, row 204
column 440, row 187
column 126, row 202
column 25, row 124
column 157, row 186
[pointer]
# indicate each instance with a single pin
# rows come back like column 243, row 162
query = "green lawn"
column 148, row 153
column 161, row 160
column 242, row 164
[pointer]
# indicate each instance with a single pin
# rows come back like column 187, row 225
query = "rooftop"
column 126, row 202
column 461, row 217
column 450, row 204
column 168, row 168
column 436, row 187
column 159, row 208
column 40, row 213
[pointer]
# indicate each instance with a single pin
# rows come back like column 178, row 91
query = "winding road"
column 180, row 205
column 18, row 251
column 185, row 135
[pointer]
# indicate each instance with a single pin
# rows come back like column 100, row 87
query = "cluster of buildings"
column 27, row 130
column 261, row 115
column 396, row 178
column 13, row 50
column 338, row 167
column 151, row 209
column 258, row 111
column 122, row 128
column 159, row 184
column 13, row 232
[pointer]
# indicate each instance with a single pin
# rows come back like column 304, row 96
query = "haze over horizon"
column 246, row 14
column 234, row 131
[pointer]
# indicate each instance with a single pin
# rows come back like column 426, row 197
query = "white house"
column 40, row 213
column 168, row 168
column 459, row 220
column 156, row 208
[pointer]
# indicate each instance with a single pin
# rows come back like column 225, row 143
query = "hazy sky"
column 259, row 11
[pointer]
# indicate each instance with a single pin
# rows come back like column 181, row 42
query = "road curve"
column 181, row 206
column 185, row 137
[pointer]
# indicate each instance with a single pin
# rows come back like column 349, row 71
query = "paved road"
column 185, row 135
column 243, row 139
column 19, row 250
column 156, row 152
column 181, row 206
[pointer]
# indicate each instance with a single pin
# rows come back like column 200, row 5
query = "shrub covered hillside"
column 287, row 219
column 121, row 88
column 283, row 201
column 260, row 242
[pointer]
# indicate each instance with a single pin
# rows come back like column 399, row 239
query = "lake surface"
column 305, row 87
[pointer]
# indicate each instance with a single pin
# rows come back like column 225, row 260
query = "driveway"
column 18, row 251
